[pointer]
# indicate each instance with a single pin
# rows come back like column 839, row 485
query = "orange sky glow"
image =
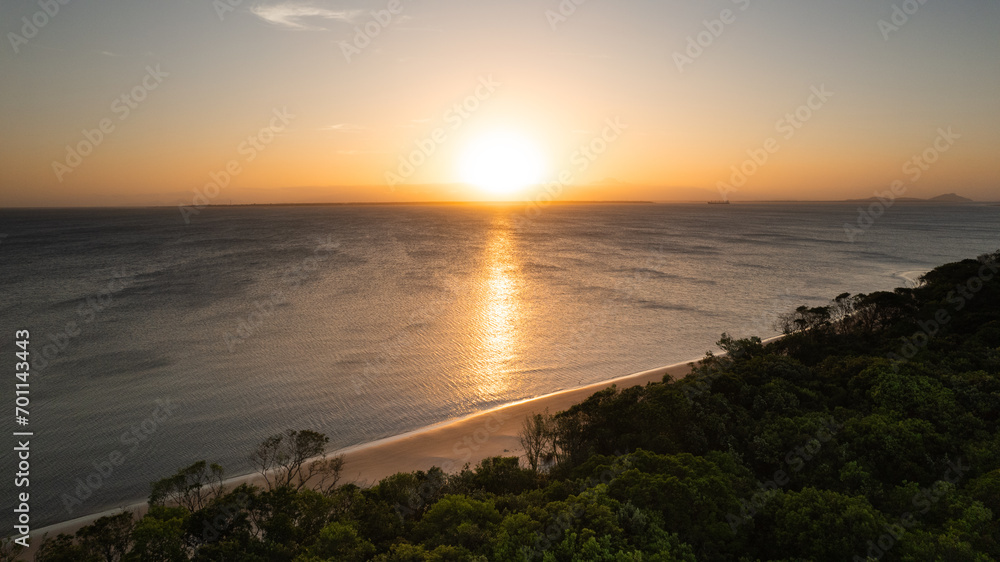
column 124, row 103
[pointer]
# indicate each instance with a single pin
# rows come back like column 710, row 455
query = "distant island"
column 946, row 198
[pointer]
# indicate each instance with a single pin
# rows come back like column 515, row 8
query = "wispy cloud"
column 291, row 15
column 344, row 128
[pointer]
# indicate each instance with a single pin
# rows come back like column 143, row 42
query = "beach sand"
column 450, row 444
column 473, row 438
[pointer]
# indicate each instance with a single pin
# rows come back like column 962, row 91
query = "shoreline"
column 449, row 443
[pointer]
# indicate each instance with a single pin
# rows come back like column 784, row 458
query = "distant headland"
column 946, row 198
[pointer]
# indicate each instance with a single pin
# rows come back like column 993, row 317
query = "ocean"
column 155, row 343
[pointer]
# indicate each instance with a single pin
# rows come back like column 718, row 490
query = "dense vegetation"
column 869, row 432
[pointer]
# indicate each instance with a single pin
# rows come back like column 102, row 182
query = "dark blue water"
column 166, row 343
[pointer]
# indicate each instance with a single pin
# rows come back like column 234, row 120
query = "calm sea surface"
column 168, row 343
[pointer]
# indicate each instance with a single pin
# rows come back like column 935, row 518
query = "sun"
column 501, row 163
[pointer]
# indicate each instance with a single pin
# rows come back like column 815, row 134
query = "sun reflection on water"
column 499, row 311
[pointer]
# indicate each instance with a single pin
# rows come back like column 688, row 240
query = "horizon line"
column 495, row 203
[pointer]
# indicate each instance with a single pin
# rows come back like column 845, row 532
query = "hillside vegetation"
column 869, row 432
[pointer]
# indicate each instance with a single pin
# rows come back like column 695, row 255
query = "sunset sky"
column 293, row 102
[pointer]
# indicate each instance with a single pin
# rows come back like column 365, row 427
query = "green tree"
column 191, row 488
column 340, row 541
column 822, row 525
column 537, row 437
column 295, row 458
column 502, row 475
column 62, row 548
column 110, row 537
column 458, row 521
column 9, row 550
column 159, row 536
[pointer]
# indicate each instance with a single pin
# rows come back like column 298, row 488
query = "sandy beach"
column 449, row 444
column 494, row 432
